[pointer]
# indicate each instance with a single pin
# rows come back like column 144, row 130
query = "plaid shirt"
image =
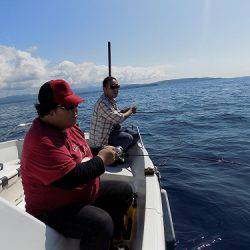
column 104, row 116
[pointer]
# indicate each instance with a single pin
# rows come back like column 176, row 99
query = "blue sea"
column 198, row 134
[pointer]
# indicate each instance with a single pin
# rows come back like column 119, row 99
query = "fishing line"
column 152, row 112
column 217, row 160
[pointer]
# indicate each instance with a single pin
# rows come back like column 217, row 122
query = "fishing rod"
column 151, row 112
column 217, row 160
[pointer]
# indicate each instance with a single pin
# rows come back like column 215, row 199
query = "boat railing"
column 140, row 138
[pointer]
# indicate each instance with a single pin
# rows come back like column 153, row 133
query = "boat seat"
column 21, row 231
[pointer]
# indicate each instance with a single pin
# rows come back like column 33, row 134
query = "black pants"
column 123, row 137
column 94, row 224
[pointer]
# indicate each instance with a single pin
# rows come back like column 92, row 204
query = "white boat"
column 149, row 223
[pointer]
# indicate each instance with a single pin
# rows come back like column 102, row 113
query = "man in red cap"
column 61, row 177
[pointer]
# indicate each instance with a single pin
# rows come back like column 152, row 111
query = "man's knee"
column 106, row 226
column 127, row 188
column 126, row 193
column 97, row 228
column 101, row 225
column 128, row 139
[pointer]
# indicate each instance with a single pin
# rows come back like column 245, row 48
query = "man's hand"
column 134, row 109
column 124, row 110
column 108, row 155
column 129, row 112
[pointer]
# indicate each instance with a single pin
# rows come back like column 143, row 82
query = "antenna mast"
column 109, row 57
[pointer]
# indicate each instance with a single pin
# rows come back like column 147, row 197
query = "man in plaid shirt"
column 105, row 126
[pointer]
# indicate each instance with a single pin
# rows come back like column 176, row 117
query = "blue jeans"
column 123, row 137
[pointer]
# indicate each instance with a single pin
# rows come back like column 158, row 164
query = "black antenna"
column 109, row 57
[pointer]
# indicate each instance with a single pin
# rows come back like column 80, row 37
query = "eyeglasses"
column 67, row 108
column 114, row 86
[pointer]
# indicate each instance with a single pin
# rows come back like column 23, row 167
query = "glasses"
column 67, row 108
column 114, row 86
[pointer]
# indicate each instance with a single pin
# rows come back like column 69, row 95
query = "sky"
column 152, row 40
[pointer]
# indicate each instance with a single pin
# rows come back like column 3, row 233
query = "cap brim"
column 73, row 100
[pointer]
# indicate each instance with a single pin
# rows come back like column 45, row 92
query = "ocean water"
column 198, row 134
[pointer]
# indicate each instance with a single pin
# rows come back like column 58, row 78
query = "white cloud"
column 32, row 49
column 79, row 75
column 20, row 70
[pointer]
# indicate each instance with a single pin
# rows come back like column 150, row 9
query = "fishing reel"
column 120, row 154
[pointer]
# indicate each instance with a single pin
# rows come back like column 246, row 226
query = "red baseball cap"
column 63, row 95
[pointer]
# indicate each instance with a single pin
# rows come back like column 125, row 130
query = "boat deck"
column 149, row 225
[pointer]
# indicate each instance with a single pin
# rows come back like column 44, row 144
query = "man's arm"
column 81, row 174
column 87, row 171
column 110, row 114
column 133, row 107
column 115, row 116
column 129, row 112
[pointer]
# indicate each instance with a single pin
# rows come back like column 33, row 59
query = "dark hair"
column 45, row 99
column 107, row 79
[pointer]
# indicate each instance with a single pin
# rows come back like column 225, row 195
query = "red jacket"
column 48, row 154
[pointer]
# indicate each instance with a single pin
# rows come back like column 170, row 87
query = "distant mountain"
column 242, row 78
column 17, row 98
column 33, row 97
column 181, row 80
column 97, row 88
